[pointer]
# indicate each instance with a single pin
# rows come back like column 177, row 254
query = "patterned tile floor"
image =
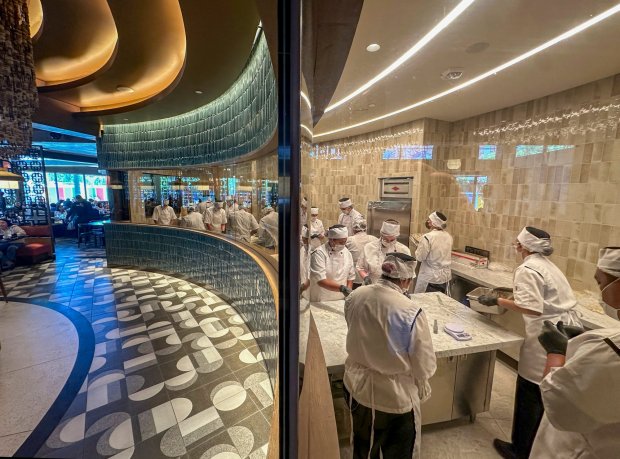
column 176, row 372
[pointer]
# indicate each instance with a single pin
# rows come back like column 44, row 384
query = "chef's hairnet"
column 438, row 220
column 267, row 210
column 305, row 231
column 390, row 228
column 337, row 232
column 609, row 261
column 535, row 240
column 360, row 225
column 398, row 266
column 345, row 202
column 314, row 210
column 191, row 209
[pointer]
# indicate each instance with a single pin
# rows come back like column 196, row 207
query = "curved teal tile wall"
column 215, row 263
column 239, row 122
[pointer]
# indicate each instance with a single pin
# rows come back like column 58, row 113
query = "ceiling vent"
column 452, row 74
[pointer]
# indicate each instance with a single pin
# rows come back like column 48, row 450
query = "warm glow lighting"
column 9, row 180
column 373, row 47
column 307, row 129
column 306, row 99
column 445, row 22
column 554, row 41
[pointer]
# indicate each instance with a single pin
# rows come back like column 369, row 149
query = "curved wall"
column 239, row 275
column 239, row 122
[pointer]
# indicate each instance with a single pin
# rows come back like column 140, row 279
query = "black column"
column 288, row 208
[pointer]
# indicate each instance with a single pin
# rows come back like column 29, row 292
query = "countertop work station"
column 464, row 379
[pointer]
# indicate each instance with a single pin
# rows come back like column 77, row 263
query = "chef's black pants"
column 394, row 434
column 529, row 410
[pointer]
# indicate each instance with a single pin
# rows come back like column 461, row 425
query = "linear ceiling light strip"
column 574, row 31
column 445, row 22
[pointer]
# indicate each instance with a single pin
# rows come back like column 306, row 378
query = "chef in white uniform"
column 434, row 253
column 215, row 218
column 541, row 292
column 348, row 215
column 580, row 389
column 193, row 220
column 331, row 267
column 303, row 212
column 164, row 214
column 370, row 260
column 304, row 262
column 390, row 360
column 268, row 228
column 243, row 224
column 356, row 244
column 317, row 230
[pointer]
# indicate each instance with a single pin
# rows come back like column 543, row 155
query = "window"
column 559, row 147
column 70, row 185
column 52, row 192
column 409, row 152
column 528, row 150
column 472, row 186
column 96, row 187
column 487, row 151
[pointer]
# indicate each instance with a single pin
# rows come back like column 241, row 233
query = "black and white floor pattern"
column 175, row 373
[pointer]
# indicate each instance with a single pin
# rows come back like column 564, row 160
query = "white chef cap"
column 390, row 228
column 438, row 220
column 345, row 202
column 398, row 266
column 609, row 261
column 360, row 225
column 267, row 210
column 314, row 210
column 338, row 232
column 535, row 240
column 305, row 232
column 304, row 202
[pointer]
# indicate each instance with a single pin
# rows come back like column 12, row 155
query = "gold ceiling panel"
column 35, row 16
column 150, row 57
column 78, row 41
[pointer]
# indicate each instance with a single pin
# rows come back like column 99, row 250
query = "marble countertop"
column 588, row 309
column 332, row 327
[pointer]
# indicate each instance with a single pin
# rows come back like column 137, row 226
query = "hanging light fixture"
column 9, row 180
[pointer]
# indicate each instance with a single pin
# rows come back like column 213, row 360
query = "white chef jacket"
column 326, row 263
column 268, row 230
column 390, row 351
column 304, row 267
column 163, row 215
column 540, row 286
column 373, row 255
column 316, row 228
column 202, row 208
column 434, row 253
column 217, row 218
column 242, row 224
column 350, row 220
column 582, row 400
column 193, row 221
column 356, row 244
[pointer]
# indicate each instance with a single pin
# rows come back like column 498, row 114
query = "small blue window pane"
column 528, row 150
column 487, row 151
column 391, row 153
column 417, row 152
column 559, row 147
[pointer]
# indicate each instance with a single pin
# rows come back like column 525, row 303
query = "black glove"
column 552, row 339
column 346, row 291
column 367, row 280
column 570, row 330
column 488, row 300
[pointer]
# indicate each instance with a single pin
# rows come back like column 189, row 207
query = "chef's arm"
column 510, row 304
column 332, row 285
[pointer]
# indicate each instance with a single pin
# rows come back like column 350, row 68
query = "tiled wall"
column 572, row 191
column 214, row 263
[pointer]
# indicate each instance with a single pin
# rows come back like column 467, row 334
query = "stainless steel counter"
column 463, row 382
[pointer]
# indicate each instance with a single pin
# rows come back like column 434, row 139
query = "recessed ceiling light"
column 198, row 91
column 452, row 74
column 121, row 88
column 532, row 52
column 373, row 47
column 445, row 22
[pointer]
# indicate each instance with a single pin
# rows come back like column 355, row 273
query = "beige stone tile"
column 10, row 443
column 26, row 394
column 461, row 439
column 19, row 318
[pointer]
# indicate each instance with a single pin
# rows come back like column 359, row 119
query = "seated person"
column 101, row 208
column 9, row 252
column 60, row 213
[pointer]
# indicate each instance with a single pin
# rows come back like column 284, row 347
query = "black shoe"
column 505, row 449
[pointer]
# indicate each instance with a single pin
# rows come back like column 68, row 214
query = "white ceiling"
column 510, row 27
